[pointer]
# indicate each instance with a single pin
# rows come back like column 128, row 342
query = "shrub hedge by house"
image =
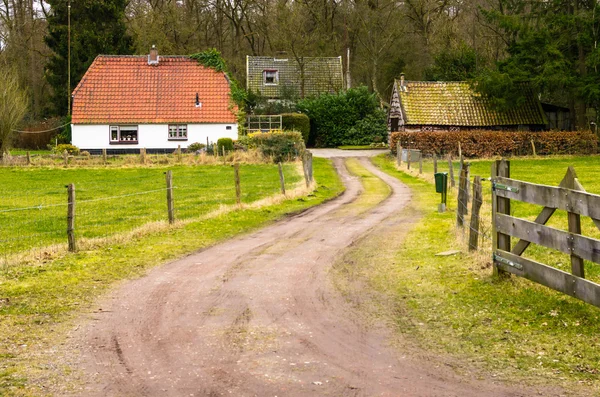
column 296, row 122
column 352, row 117
column 226, row 143
column 279, row 145
column 480, row 143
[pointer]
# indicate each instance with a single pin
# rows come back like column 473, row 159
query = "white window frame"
column 178, row 132
column 275, row 76
column 128, row 136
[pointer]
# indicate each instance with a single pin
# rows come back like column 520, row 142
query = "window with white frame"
column 271, row 77
column 124, row 134
column 178, row 132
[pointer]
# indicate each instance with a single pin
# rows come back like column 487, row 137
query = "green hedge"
column 352, row 117
column 226, row 143
column 296, row 122
column 498, row 143
column 279, row 145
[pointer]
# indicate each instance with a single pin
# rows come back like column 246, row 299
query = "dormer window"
column 271, row 77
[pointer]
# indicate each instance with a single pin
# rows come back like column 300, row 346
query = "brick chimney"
column 153, row 57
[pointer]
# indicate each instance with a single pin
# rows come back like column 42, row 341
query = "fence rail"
column 569, row 196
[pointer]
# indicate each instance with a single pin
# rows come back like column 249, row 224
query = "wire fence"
column 113, row 205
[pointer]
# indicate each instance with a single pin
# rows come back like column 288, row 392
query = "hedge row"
column 296, row 122
column 497, row 143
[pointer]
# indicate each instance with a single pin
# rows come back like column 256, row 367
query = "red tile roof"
column 125, row 89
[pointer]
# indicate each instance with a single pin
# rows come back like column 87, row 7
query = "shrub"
column 194, row 147
column 280, row 145
column 371, row 129
column 71, row 149
column 296, row 122
column 226, row 143
column 333, row 117
column 497, row 143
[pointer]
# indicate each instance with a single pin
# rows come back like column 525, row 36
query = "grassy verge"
column 360, row 147
column 514, row 329
column 38, row 305
column 374, row 190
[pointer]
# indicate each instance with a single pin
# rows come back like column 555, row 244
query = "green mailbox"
column 441, row 186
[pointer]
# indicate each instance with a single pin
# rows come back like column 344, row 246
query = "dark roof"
column 457, row 104
column 125, row 89
column 321, row 75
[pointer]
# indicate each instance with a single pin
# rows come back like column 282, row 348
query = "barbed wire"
column 39, row 132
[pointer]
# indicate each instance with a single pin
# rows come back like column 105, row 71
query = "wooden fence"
column 569, row 196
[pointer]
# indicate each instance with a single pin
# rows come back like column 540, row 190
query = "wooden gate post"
column 238, row 188
column 170, row 206
column 500, row 205
column 451, row 171
column 281, row 178
column 574, row 222
column 71, row 218
column 462, row 196
column 475, row 208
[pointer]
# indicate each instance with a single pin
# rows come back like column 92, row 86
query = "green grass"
column 515, row 329
column 37, row 303
column 374, row 189
column 23, row 152
column 111, row 201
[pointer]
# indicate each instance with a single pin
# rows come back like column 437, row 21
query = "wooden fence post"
column 179, row 153
column 104, row 157
column 170, row 206
column 533, row 148
column 281, row 178
column 305, row 168
column 143, row 156
column 399, row 153
column 460, row 153
column 71, row 218
column 310, row 167
column 421, row 163
column 408, row 158
column 451, row 171
column 475, row 209
column 500, row 205
column 238, row 188
column 66, row 157
column 574, row 223
column 462, row 196
column 28, row 158
column 435, row 164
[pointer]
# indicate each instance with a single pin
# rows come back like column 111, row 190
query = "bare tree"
column 13, row 106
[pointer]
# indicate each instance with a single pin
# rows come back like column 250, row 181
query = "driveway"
column 332, row 153
column 258, row 316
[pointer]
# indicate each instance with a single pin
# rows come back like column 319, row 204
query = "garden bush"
column 226, row 143
column 194, row 147
column 497, row 143
column 279, row 145
column 345, row 118
column 296, row 122
column 71, row 149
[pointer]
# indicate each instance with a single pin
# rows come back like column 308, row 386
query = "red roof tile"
column 125, row 89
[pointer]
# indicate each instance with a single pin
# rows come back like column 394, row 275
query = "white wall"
column 150, row 136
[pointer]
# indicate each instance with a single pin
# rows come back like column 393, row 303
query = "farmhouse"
column 454, row 106
column 125, row 103
column 282, row 78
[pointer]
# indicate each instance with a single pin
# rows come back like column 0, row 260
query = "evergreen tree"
column 97, row 27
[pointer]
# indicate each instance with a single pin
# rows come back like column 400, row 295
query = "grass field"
column 545, row 171
column 39, row 302
column 452, row 305
column 33, row 201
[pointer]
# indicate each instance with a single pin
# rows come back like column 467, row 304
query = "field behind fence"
column 542, row 170
column 114, row 202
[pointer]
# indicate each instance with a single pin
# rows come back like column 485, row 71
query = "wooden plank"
column 281, row 178
column 503, row 204
column 550, row 277
column 475, row 209
column 71, row 217
column 569, row 243
column 170, row 203
column 579, row 202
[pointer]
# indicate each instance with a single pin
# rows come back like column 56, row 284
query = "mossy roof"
column 457, row 104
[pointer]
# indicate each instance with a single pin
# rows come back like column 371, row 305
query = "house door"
column 394, row 124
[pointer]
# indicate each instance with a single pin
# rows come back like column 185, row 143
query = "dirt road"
column 257, row 316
